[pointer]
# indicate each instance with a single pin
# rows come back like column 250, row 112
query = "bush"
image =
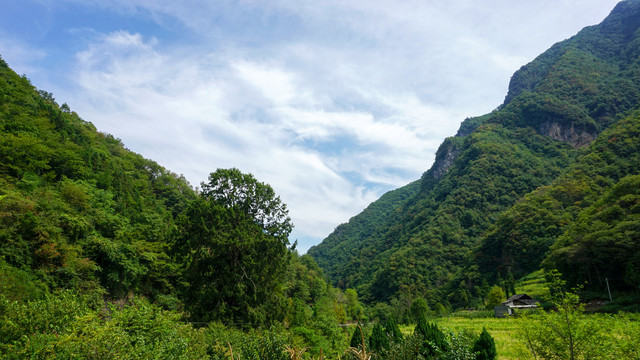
column 495, row 297
column 479, row 314
column 62, row 326
column 379, row 339
column 253, row 345
column 392, row 330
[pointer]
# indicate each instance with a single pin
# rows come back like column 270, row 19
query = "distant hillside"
column 446, row 240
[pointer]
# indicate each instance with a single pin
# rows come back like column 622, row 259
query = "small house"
column 516, row 302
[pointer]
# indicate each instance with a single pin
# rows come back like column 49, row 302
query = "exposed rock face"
column 567, row 133
column 445, row 159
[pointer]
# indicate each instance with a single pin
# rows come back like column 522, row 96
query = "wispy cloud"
column 197, row 113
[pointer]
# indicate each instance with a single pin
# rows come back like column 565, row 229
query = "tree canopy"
column 235, row 248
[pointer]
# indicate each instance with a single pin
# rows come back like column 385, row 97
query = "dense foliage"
column 567, row 216
column 568, row 333
column 485, row 347
column 78, row 210
column 234, row 244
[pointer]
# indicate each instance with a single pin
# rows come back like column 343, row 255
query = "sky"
column 331, row 102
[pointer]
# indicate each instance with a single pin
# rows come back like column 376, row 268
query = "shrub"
column 392, row 330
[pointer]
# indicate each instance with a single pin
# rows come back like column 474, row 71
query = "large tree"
column 235, row 246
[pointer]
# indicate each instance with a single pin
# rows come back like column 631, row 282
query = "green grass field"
column 502, row 330
column 533, row 285
column 623, row 328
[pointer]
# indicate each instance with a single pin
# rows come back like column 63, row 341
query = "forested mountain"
column 546, row 179
column 79, row 211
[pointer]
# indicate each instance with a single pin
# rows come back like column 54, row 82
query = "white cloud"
column 274, row 84
column 193, row 116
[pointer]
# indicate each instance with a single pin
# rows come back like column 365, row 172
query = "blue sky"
column 331, row 102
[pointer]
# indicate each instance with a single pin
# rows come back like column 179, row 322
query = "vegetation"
column 567, row 333
column 495, row 297
column 433, row 338
column 234, row 246
column 484, row 347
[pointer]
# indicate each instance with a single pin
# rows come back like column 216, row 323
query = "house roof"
column 520, row 300
column 520, row 297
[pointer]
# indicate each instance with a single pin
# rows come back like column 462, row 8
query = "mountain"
column 481, row 211
column 586, row 223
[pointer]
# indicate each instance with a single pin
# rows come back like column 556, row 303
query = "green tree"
column 234, row 242
column 495, row 297
column 356, row 337
column 419, row 308
column 353, row 307
column 566, row 333
column 298, row 314
column 392, row 330
column 378, row 341
column 485, row 347
column 434, row 340
column 510, row 284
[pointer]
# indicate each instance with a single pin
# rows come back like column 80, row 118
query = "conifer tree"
column 392, row 331
column 379, row 339
column 433, row 338
column 511, row 284
column 356, row 338
column 485, row 347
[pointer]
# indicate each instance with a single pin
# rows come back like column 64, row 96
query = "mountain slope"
column 572, row 224
column 77, row 209
column 556, row 105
